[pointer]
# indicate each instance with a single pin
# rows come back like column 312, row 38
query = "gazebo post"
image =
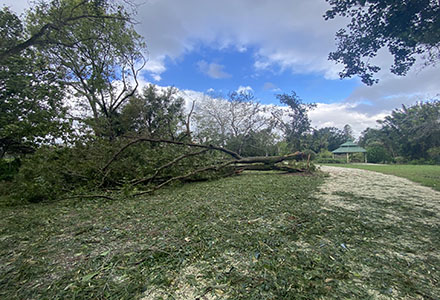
column 348, row 160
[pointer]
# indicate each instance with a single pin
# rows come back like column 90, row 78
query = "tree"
column 99, row 52
column 153, row 113
column 255, row 143
column 409, row 132
column 327, row 138
column 348, row 132
column 59, row 18
column 31, row 94
column 388, row 138
column 299, row 123
column 377, row 153
column 90, row 48
column 221, row 121
column 407, row 28
column 415, row 129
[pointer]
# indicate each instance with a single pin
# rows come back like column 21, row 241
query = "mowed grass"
column 427, row 175
column 255, row 236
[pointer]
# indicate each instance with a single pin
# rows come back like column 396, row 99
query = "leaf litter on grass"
column 393, row 227
column 249, row 237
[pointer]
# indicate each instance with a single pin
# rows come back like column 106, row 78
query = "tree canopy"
column 49, row 23
column 409, row 29
column 412, row 133
column 89, row 49
column 31, row 93
column 299, row 123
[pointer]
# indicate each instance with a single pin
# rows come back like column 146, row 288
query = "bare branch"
column 167, row 165
column 36, row 39
column 188, row 120
column 151, row 140
column 214, row 167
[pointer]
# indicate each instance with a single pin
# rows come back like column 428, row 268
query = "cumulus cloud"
column 244, row 89
column 283, row 35
column 155, row 67
column 392, row 91
column 339, row 114
column 213, row 70
column 289, row 34
column 156, row 77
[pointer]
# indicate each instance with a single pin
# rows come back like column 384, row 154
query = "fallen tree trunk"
column 270, row 160
column 235, row 163
column 267, row 167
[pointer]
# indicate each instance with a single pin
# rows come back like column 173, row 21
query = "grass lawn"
column 426, row 175
column 255, row 236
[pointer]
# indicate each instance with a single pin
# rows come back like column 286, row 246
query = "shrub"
column 422, row 161
column 330, row 160
column 400, row 160
column 324, row 153
column 434, row 154
column 378, row 154
column 311, row 153
column 47, row 173
column 9, row 168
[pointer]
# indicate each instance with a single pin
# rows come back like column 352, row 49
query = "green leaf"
column 88, row 277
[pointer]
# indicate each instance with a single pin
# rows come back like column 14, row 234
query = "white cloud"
column 17, row 6
column 245, row 89
column 156, row 65
column 269, row 86
column 392, row 91
column 213, row 70
column 339, row 114
column 156, row 77
column 260, row 65
column 285, row 33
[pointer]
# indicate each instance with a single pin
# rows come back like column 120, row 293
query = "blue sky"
column 269, row 46
column 220, row 71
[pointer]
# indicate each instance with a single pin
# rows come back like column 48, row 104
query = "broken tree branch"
column 167, row 165
column 214, row 167
column 238, row 163
column 151, row 140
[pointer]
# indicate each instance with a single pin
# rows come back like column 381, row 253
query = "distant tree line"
column 409, row 134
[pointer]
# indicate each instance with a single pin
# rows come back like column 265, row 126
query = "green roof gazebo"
column 350, row 147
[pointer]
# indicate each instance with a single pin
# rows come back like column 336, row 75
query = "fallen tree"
column 230, row 163
column 100, row 168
